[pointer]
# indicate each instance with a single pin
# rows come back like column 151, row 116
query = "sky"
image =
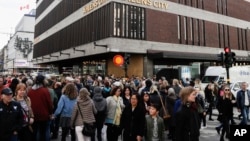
column 10, row 15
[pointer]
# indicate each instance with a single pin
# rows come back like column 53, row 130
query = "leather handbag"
column 88, row 128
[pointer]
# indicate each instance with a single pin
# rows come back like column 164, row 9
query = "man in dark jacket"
column 243, row 103
column 10, row 117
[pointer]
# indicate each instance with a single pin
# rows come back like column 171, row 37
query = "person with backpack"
column 101, row 107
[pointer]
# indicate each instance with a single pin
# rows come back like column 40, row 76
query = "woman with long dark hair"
column 145, row 102
column 133, row 120
column 126, row 95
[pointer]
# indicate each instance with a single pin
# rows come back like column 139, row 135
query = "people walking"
column 243, row 103
column 42, row 108
column 101, row 107
column 187, row 118
column 83, row 112
column 154, row 125
column 11, row 117
column 225, row 106
column 133, row 120
column 65, row 108
column 26, row 132
column 210, row 98
column 115, row 107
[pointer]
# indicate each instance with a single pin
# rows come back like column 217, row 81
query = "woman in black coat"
column 225, row 107
column 187, row 117
column 209, row 95
column 133, row 120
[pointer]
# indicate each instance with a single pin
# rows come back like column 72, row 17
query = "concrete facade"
column 179, row 26
column 19, row 50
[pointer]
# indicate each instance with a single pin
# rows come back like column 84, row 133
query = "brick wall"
column 161, row 26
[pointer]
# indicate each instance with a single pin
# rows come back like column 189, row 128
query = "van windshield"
column 208, row 79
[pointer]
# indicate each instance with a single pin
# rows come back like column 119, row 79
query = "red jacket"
column 41, row 103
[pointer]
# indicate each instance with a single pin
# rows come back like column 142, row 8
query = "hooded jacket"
column 99, row 101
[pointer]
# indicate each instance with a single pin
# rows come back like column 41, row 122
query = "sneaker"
column 211, row 119
column 202, row 127
column 218, row 130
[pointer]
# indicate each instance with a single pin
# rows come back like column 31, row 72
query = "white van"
column 218, row 74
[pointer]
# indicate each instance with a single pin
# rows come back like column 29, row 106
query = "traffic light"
column 233, row 55
column 118, row 60
column 229, row 57
column 227, row 60
column 126, row 58
column 221, row 58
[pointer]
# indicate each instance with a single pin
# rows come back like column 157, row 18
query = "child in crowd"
column 154, row 125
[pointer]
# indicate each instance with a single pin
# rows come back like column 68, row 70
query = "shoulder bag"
column 166, row 114
column 88, row 128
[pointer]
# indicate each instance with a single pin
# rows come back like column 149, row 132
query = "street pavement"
column 206, row 134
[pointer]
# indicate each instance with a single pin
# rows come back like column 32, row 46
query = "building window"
column 129, row 21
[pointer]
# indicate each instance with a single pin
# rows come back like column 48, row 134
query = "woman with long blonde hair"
column 187, row 117
column 225, row 107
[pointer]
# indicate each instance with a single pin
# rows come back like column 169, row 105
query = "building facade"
column 18, row 53
column 86, row 34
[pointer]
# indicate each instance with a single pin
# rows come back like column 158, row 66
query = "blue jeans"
column 14, row 138
column 41, row 130
column 245, row 115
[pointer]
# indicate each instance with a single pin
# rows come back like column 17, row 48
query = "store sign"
column 21, row 63
column 152, row 3
column 93, row 5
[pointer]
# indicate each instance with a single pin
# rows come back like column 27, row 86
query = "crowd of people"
column 134, row 108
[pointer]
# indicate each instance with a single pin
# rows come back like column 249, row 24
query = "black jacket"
column 225, row 107
column 133, row 122
column 11, row 119
column 187, row 123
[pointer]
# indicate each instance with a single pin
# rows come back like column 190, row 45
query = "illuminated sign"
column 154, row 3
column 93, row 5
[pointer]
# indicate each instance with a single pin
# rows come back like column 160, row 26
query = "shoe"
column 211, row 119
column 202, row 127
column 218, row 130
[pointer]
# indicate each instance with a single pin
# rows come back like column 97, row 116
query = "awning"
column 157, row 54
